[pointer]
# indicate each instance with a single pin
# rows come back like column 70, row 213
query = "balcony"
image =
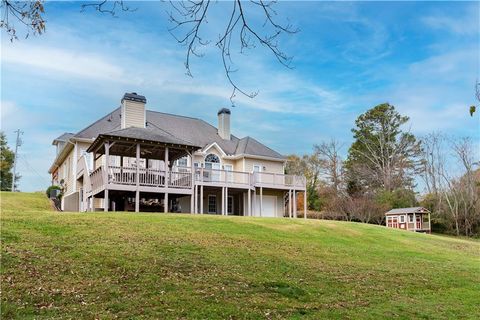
column 276, row 180
column 180, row 179
column 125, row 178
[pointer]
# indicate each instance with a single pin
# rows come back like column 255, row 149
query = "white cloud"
column 71, row 62
column 467, row 24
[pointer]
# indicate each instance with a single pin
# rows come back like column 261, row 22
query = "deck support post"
column 294, row 203
column 137, row 179
column 201, row 199
column 192, row 170
column 167, row 180
column 249, row 203
column 261, row 201
column 105, row 174
column 223, row 201
column 226, row 201
column 254, row 207
column 195, row 200
column 289, row 203
column 305, row 208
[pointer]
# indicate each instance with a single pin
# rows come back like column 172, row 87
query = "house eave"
column 61, row 157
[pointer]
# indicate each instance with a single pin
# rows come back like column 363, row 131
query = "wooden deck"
column 180, row 179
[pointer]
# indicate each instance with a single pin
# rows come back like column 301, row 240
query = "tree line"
column 384, row 166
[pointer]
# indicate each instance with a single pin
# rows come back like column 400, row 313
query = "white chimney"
column 224, row 123
column 133, row 110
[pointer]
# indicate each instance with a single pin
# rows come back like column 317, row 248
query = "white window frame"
column 410, row 218
column 211, row 196
column 260, row 169
column 402, row 219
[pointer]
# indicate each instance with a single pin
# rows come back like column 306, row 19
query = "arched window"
column 212, row 162
column 212, row 158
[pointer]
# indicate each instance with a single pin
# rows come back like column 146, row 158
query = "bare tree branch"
column 192, row 15
column 27, row 13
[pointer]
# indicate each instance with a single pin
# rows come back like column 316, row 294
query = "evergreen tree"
column 6, row 164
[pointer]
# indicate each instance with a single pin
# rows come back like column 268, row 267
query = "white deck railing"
column 181, row 177
column 96, row 179
column 217, row 176
column 277, row 179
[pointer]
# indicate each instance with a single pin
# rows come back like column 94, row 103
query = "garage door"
column 269, row 206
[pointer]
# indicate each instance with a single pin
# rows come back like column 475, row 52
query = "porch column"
column 167, row 180
column 106, row 178
column 305, row 204
column 294, row 203
column 249, row 203
column 289, row 203
column 261, row 201
column 137, row 179
column 223, row 201
column 201, row 199
column 92, row 207
column 414, row 221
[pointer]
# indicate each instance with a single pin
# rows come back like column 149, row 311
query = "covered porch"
column 139, row 160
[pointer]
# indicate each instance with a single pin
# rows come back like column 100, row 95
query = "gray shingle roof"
column 147, row 134
column 407, row 210
column 250, row 146
column 64, row 137
column 195, row 131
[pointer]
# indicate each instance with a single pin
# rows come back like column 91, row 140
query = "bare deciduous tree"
column 331, row 162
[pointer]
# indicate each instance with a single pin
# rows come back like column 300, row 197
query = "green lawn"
column 125, row 265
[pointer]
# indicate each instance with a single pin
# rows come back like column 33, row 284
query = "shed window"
column 402, row 219
column 410, row 218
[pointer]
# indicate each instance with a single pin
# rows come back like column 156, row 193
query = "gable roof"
column 407, row 210
column 191, row 131
column 63, row 138
column 250, row 146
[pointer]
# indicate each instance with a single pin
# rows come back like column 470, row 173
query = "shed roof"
column 407, row 210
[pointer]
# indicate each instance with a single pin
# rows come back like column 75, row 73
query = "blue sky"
column 348, row 57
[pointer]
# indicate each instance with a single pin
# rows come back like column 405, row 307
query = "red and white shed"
column 415, row 219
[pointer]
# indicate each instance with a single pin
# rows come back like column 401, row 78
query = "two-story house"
column 134, row 159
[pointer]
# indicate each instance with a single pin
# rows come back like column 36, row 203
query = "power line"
column 31, row 168
column 18, row 143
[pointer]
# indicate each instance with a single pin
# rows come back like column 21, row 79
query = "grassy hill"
column 125, row 265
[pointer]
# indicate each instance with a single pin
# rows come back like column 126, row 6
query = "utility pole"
column 18, row 143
